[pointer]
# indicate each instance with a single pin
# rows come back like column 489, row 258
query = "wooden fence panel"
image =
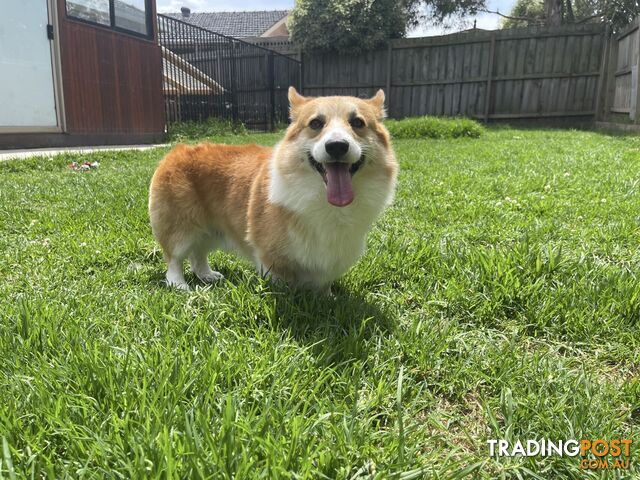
column 538, row 72
column 625, row 80
column 619, row 92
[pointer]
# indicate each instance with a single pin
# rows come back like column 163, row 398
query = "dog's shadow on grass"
column 338, row 328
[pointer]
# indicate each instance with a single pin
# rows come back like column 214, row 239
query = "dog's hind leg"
column 175, row 256
column 200, row 264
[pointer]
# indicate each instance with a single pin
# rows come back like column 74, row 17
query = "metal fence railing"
column 207, row 74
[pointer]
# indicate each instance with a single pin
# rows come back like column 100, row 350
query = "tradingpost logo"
column 595, row 454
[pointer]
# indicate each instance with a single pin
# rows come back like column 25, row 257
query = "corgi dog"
column 300, row 211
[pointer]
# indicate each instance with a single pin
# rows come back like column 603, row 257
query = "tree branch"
column 586, row 19
column 525, row 19
column 539, row 20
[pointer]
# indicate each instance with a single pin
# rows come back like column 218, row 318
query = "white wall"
column 26, row 75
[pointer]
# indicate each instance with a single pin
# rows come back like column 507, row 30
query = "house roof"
column 235, row 24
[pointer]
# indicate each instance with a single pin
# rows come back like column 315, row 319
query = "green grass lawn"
column 499, row 298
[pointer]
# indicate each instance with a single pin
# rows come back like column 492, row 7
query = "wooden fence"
column 490, row 75
column 621, row 91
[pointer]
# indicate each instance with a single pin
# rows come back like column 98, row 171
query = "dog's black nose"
column 337, row 149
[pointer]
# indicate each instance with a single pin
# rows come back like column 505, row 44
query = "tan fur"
column 220, row 196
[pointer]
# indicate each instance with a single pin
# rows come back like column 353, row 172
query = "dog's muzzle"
column 337, row 178
column 323, row 171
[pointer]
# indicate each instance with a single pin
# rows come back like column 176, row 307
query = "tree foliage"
column 438, row 11
column 348, row 25
column 357, row 25
column 538, row 12
column 525, row 13
column 620, row 12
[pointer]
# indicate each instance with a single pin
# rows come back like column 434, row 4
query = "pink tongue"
column 339, row 191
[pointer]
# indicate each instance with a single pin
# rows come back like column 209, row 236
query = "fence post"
column 609, row 92
column 603, row 80
column 301, row 72
column 272, row 91
column 388, row 80
column 636, row 101
column 492, row 56
column 233, row 82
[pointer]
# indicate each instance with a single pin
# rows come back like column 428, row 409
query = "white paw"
column 211, row 277
column 179, row 285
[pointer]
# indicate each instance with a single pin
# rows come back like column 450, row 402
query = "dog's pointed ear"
column 295, row 102
column 377, row 101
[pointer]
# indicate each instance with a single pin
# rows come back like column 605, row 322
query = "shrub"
column 434, row 127
column 183, row 131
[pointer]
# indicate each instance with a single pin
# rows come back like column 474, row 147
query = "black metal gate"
column 206, row 74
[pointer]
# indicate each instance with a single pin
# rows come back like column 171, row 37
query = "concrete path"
column 51, row 152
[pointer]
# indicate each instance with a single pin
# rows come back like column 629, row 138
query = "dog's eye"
column 316, row 124
column 357, row 122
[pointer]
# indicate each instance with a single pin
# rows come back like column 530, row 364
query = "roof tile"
column 234, row 24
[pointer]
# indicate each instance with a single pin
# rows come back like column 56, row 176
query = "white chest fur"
column 327, row 240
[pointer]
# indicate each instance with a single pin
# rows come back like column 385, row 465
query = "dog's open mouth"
column 337, row 178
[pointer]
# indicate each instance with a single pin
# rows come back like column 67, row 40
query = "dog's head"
column 337, row 140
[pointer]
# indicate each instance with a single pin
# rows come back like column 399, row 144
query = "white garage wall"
column 27, row 96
